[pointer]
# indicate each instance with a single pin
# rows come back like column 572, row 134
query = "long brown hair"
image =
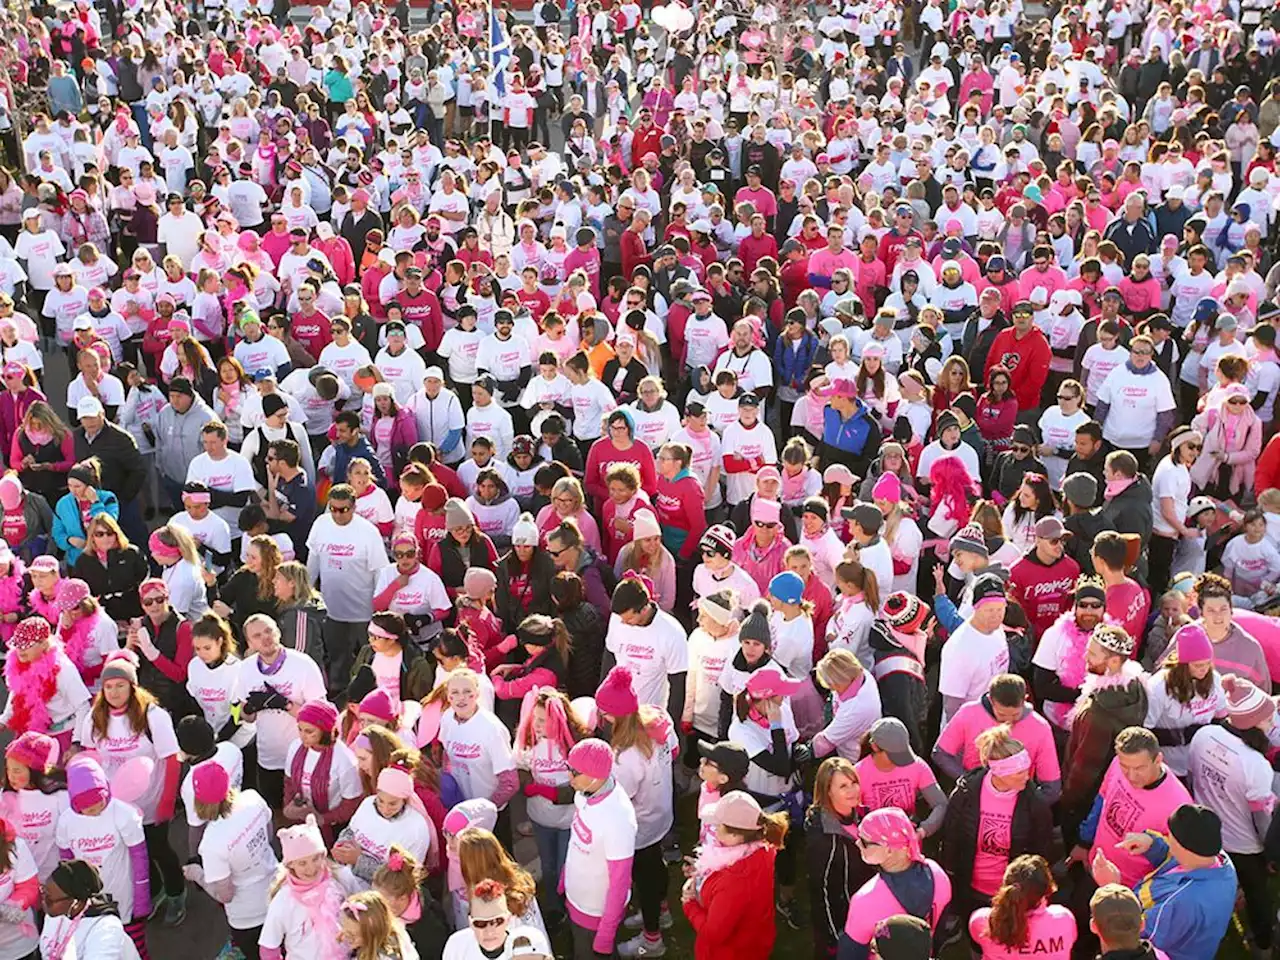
column 383, row 744
column 482, row 857
column 269, row 554
column 632, row 730
column 140, row 701
column 1182, row 686
column 1027, row 883
column 831, row 768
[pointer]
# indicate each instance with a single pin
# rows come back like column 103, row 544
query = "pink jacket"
column 760, row 567
column 1242, row 449
column 339, row 253
column 404, row 434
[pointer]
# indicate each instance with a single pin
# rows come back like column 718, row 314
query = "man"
column 357, row 222
column 123, row 471
column 947, row 444
column 1058, row 667
column 1191, row 891
column 1115, row 915
column 348, row 444
column 1043, row 580
column 1112, row 697
column 178, row 230
column 892, row 242
column 1131, row 232
column 650, row 643
column 977, row 651
column 439, row 414
column 850, row 434
column 401, row 367
column 227, row 474
column 290, row 500
column 1024, row 351
column 1090, row 458
column 179, row 438
column 865, row 521
column 508, row 360
column 344, row 554
column 1141, row 399
column 748, row 362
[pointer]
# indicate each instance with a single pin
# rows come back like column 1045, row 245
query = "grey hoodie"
column 178, row 438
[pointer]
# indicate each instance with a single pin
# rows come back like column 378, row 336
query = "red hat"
column 433, row 496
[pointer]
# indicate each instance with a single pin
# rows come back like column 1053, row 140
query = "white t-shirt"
column 104, row 841
column 232, row 474
column 604, row 829
column 346, row 559
column 300, row 680
column 651, row 653
column 238, row 848
column 36, row 821
column 1169, row 480
column 374, row 834
column 545, row 762
column 754, row 444
column 14, row 943
column 970, row 659
column 122, row 744
column 647, row 781
column 344, row 773
column 1057, row 432
column 226, row 755
column 1135, row 400
column 424, row 592
column 479, row 749
column 707, row 658
column 110, row 391
column 287, row 924
column 404, row 372
column 211, row 532
column 101, row 937
column 267, row 353
column 1232, row 780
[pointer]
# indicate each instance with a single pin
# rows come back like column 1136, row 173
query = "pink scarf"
column 76, row 640
column 793, row 487
column 31, row 687
column 1119, row 486
column 1232, row 423
column 322, row 901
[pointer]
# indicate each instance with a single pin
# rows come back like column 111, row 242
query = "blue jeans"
column 553, row 850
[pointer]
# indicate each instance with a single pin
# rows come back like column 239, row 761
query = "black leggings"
column 246, row 941
column 1251, row 872
column 165, row 866
column 1159, row 564
column 649, row 880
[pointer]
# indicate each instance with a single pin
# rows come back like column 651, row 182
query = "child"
column 393, row 814
column 799, row 480
column 482, row 458
column 712, row 644
column 791, row 624
column 35, row 798
column 722, row 769
column 139, row 415
column 1190, row 553
column 107, row 832
column 480, row 813
column 856, row 606
column 1251, row 563
column 305, row 899
column 718, row 572
column 475, row 612
column 837, row 490
column 402, row 883
column 413, row 482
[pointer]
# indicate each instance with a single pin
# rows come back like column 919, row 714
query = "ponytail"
column 1027, row 883
column 400, row 875
column 997, row 743
column 772, row 829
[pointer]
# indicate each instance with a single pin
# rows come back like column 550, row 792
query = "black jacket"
column 1030, row 832
column 1130, row 512
column 1008, row 471
column 975, row 345
column 836, row 872
column 903, row 691
column 116, row 584
column 430, row 931
column 122, row 470
column 533, row 595
column 586, row 626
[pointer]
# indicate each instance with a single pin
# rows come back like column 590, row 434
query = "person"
column 321, row 778
column 491, row 928
column 650, row 643
column 304, row 898
column 1191, row 889
column 477, row 745
column 729, row 897
column 85, row 498
column 1228, row 779
column 236, row 863
column 1115, row 916
column 1043, row 580
column 1139, row 395
column 184, row 576
column 403, row 883
column 1171, row 491
column 251, row 589
column 835, row 867
column 856, row 708
column 1021, row 919
column 1183, row 696
column 1234, row 649
column 891, row 775
column 602, row 845
column 978, row 650
column 392, row 814
column 81, row 916
column 906, row 881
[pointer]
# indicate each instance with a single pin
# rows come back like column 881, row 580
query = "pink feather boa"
column 1130, row 672
column 76, row 639
column 1071, row 666
column 11, row 596
column 31, row 687
column 42, row 607
column 714, row 857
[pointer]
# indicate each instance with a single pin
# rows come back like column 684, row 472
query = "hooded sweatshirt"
column 679, row 503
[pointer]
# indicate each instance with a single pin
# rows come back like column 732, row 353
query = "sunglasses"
column 486, row 924
column 404, row 554
column 762, row 525
column 1089, row 604
column 154, row 601
column 1020, row 448
column 340, row 510
column 556, row 553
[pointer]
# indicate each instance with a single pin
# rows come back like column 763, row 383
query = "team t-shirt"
column 122, row 743
column 230, row 758
column 651, row 654
column 423, row 593
column 1129, row 809
column 896, row 787
column 478, row 750
column 374, row 834
column 104, row 841
column 17, row 941
column 647, row 781
column 1234, row 781
column 546, row 763
column 995, row 827
column 1051, row 933
column 35, row 820
column 603, row 829
column 298, row 679
column 238, row 848
column 344, row 772
column 960, row 736
column 231, row 474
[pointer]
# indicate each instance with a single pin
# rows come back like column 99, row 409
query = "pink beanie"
column 765, row 511
column 478, row 812
column 86, row 784
column 210, row 782
column 33, row 750
column 10, row 491
column 301, row 841
column 1247, row 706
column 617, row 695
column 592, row 758
column 887, row 487
column 321, row 714
column 380, row 704
column 1193, row 644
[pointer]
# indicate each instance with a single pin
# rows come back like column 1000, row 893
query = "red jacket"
column 752, row 248
column 634, row 252
column 1267, row 475
column 732, row 916
column 681, row 512
column 1027, row 361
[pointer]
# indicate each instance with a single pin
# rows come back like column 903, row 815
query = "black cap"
column 272, row 404
column 903, row 937
column 754, row 170
column 195, row 738
column 695, row 408
column 1023, row 306
column 730, row 758
column 748, row 400
column 181, row 385
column 503, row 316
column 1197, row 828
column 1265, row 334
column 986, row 587
column 966, row 403
column 1159, row 321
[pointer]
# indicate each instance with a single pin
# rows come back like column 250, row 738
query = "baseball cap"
column 1116, row 911
column 890, row 735
column 89, row 407
column 903, row 937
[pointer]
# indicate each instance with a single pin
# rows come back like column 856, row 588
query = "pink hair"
column 951, row 486
column 558, row 731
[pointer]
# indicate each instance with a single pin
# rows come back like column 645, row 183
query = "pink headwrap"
column 162, row 550
column 1010, row 766
column 892, row 828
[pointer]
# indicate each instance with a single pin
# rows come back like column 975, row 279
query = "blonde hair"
column 632, row 730
column 381, row 935
column 172, row 535
column 296, row 574
column 998, row 743
column 838, row 668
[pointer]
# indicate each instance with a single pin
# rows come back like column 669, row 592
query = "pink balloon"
column 130, row 782
column 429, row 723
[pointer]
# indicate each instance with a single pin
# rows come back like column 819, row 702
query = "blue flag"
column 499, row 54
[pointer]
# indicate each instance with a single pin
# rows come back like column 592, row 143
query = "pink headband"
column 161, row 549
column 994, row 598
column 1010, row 766
column 396, row 782
column 377, row 631
column 197, row 497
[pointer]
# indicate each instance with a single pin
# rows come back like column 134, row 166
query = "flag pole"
column 493, row 79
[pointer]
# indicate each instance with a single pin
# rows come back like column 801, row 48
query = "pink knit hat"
column 86, row 783
column 1247, row 706
column 765, row 511
column 210, row 782
column 1193, row 644
column 381, row 704
column 617, row 696
column 321, row 714
column 33, row 750
column 471, row 813
column 71, row 593
column 304, row 840
column 592, row 758
column 478, row 582
column 887, row 487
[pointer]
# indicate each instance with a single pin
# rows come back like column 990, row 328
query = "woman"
column 321, row 777
column 163, row 637
column 372, row 502
column 184, row 575
column 1232, row 778
column 889, row 844
column 1171, row 486
column 46, row 692
column 1032, row 502
column 478, row 747
column 729, row 897
column 20, row 391
column 1020, row 920
column 462, row 547
column 236, row 864
column 997, row 412
column 393, row 814
column 251, row 589
column 300, row 610
column 645, row 555
column 81, row 920
column 644, row 743
column 113, row 568
column 569, row 503
column 953, row 380
column 586, row 625
column 83, row 501
column 836, row 870
column 621, row 446
column 393, row 432
column 524, row 576
column 127, row 722
column 391, row 662
column 1058, row 425
column 481, row 857
column 43, row 451
column 403, row 883
column 999, row 792
column 1232, row 437
column 229, row 398
column 1183, row 696
column 490, row 930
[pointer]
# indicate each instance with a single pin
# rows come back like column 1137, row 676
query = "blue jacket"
column 67, row 522
column 1186, row 911
column 848, row 435
column 343, row 455
column 793, row 365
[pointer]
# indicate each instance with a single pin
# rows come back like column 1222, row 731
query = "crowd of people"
column 808, row 468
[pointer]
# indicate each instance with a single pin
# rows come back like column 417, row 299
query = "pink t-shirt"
column 897, row 787
column 1129, row 809
column 386, row 671
column 876, row 902
column 1128, row 605
column 1051, row 932
column 995, row 822
column 961, row 733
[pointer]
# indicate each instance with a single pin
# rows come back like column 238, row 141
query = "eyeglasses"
column 1020, row 448
column 155, row 601
column 1142, row 353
